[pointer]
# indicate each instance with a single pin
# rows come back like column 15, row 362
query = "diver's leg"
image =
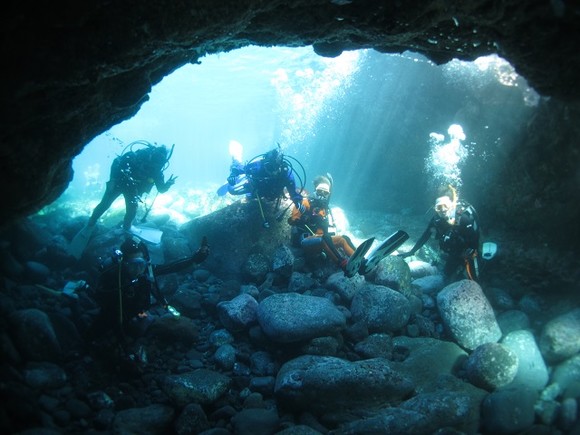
column 344, row 243
column 108, row 197
column 349, row 241
column 332, row 252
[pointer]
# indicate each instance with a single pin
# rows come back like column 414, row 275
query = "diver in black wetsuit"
column 128, row 282
column 132, row 174
column 265, row 176
column 456, row 227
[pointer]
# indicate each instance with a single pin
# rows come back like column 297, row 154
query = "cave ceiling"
column 72, row 70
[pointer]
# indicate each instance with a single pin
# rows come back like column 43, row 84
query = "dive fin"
column 356, row 259
column 223, row 189
column 148, row 234
column 383, row 250
column 79, row 243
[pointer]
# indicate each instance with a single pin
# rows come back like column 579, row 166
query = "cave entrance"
column 372, row 120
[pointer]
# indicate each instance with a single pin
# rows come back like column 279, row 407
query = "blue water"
column 256, row 96
column 378, row 123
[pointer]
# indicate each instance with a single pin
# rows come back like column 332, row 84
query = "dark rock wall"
column 538, row 190
column 73, row 70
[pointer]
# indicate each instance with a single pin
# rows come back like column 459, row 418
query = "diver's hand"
column 232, row 180
column 171, row 181
column 404, row 254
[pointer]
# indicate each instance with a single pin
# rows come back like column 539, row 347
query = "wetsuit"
column 132, row 175
column 460, row 240
column 311, row 232
column 261, row 182
column 122, row 299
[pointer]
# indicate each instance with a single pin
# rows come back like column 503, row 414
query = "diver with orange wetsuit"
column 456, row 227
column 310, row 225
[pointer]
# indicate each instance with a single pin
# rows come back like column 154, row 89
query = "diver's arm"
column 175, row 266
column 162, row 185
column 422, row 240
column 156, row 292
column 295, row 196
column 297, row 217
column 327, row 240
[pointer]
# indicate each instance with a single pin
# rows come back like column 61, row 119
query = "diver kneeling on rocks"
column 124, row 291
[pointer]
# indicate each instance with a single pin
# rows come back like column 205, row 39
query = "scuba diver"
column 312, row 229
column 456, row 227
column 125, row 287
column 312, row 225
column 265, row 176
column 134, row 173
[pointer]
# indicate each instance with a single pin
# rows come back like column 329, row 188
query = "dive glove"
column 171, row 181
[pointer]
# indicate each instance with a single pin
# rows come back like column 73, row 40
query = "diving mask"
column 322, row 191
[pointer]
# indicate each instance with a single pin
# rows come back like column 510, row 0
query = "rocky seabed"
column 303, row 352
